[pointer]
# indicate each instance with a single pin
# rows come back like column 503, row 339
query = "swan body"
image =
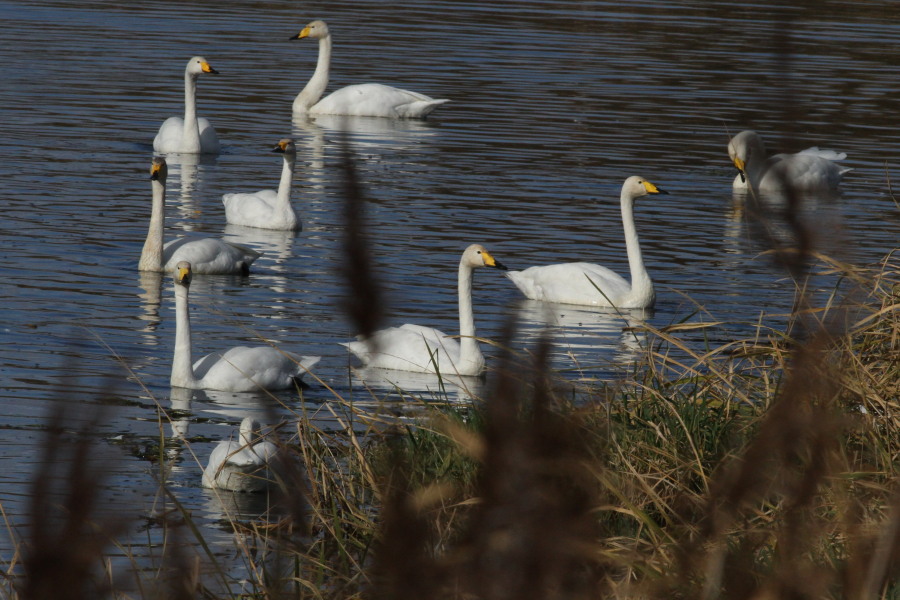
column 191, row 134
column 582, row 283
column 427, row 350
column 210, row 255
column 239, row 369
column 241, row 466
column 362, row 100
column 267, row 209
column 809, row 170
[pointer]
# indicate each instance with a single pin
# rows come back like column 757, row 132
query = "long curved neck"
column 190, row 137
column 283, row 201
column 316, row 85
column 469, row 351
column 152, row 254
column 641, row 286
column 182, row 369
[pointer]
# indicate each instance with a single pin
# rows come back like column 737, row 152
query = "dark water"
column 553, row 105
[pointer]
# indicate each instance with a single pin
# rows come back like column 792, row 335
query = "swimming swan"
column 363, row 100
column 267, row 209
column 241, row 466
column 190, row 135
column 240, row 369
column 578, row 283
column 809, row 170
column 421, row 349
column 208, row 255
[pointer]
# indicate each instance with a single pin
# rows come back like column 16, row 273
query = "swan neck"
column 641, row 286
column 152, row 254
column 316, row 85
column 191, row 132
column 182, row 369
column 284, row 186
column 470, row 352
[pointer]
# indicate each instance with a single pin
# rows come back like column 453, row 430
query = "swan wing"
column 408, row 348
column 376, row 100
column 250, row 210
column 209, row 141
column 572, row 283
column 802, row 171
column 168, row 138
column 250, row 369
column 209, row 256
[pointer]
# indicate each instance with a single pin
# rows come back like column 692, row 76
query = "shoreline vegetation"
column 762, row 468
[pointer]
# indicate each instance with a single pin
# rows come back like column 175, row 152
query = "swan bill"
column 652, row 189
column 158, row 169
column 285, row 146
column 183, row 273
column 207, row 68
column 490, row 261
column 303, row 34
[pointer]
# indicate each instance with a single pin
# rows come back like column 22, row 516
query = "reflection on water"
column 387, row 384
column 590, row 341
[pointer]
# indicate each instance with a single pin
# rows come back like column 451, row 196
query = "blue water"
column 553, row 106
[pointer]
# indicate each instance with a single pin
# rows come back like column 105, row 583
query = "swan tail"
column 418, row 109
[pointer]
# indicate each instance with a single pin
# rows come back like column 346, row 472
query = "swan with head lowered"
column 239, row 369
column 594, row 285
column 427, row 350
column 243, row 465
column 362, row 100
column 267, row 209
column 809, row 170
column 210, row 256
column 192, row 134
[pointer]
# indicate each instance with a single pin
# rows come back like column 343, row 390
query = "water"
column 553, row 105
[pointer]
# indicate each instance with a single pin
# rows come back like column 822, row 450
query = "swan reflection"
column 400, row 385
column 187, row 169
column 593, row 341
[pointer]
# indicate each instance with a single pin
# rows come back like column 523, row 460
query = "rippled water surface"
column 553, row 105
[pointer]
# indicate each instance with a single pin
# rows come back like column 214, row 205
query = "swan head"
column 285, row 146
column 636, row 186
column 198, row 65
column 316, row 30
column 477, row 256
column 159, row 170
column 183, row 273
column 744, row 147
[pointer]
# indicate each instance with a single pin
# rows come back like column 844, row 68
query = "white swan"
column 240, row 369
column 267, row 209
column 208, row 256
column 241, row 466
column 363, row 100
column 190, row 135
column 809, row 170
column 427, row 350
column 578, row 283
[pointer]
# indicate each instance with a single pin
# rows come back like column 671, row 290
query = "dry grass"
column 764, row 468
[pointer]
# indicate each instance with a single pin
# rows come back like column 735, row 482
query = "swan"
column 192, row 134
column 239, row 369
column 267, row 209
column 578, row 283
column 208, row 255
column 362, row 100
column 426, row 350
column 241, row 466
column 809, row 170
